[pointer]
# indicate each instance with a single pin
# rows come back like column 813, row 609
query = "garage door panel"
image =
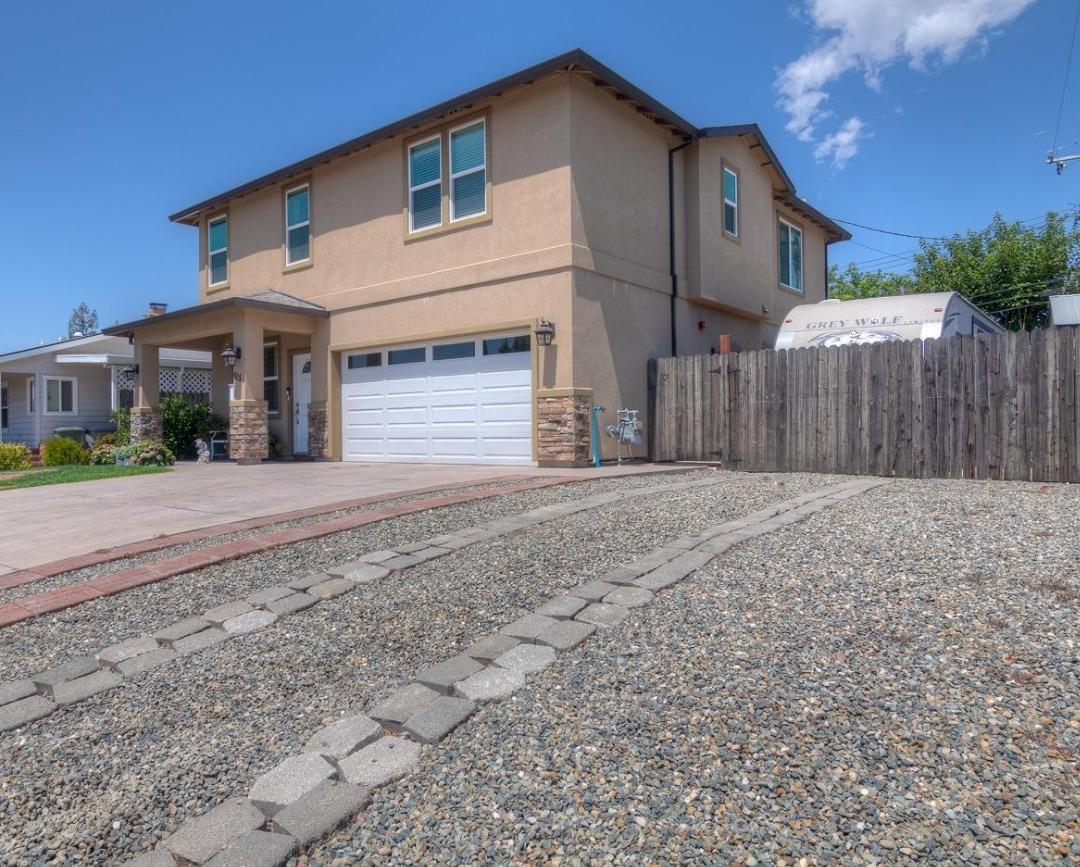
column 466, row 410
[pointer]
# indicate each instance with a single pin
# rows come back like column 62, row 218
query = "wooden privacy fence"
column 996, row 406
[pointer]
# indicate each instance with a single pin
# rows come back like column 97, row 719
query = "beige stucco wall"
column 361, row 250
column 742, row 273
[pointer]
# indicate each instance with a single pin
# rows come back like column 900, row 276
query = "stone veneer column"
column 317, row 430
column 248, row 431
column 562, row 429
column 146, row 424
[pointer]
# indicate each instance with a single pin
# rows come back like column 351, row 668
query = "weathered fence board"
column 998, row 406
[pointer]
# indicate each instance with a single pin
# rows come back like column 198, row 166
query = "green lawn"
column 63, row 475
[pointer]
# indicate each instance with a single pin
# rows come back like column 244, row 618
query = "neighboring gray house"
column 79, row 382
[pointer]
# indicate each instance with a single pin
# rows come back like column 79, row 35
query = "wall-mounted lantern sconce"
column 230, row 355
column 131, row 370
column 545, row 332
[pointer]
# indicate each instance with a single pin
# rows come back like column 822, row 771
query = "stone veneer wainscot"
column 562, row 429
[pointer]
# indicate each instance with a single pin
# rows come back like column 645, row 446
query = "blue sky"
column 117, row 114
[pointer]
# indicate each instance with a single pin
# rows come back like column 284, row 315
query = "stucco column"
column 222, row 377
column 248, row 424
column 146, row 411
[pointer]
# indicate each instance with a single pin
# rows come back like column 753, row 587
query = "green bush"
column 61, row 451
column 105, row 439
column 103, row 455
column 14, row 456
column 147, row 454
column 182, row 423
column 122, row 419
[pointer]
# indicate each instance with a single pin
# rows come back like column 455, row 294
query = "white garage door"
column 466, row 401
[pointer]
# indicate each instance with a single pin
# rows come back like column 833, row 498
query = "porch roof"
column 269, row 299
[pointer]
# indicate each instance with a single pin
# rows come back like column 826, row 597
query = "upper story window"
column 468, row 171
column 425, row 184
column 731, row 202
column 217, row 250
column 297, row 224
column 791, row 247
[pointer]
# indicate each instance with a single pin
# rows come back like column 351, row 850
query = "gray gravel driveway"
column 896, row 680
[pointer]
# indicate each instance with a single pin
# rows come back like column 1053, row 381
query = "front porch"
column 268, row 370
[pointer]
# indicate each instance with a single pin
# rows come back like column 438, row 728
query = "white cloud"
column 870, row 35
column 842, row 145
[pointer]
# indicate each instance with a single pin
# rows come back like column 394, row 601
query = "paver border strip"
column 427, row 725
column 59, row 598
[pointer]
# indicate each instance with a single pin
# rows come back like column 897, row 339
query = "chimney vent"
column 157, row 308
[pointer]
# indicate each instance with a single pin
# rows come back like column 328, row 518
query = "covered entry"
column 463, row 400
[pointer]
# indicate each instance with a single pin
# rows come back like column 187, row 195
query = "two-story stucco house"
column 389, row 299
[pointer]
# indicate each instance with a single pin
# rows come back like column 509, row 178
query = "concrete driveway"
column 52, row 522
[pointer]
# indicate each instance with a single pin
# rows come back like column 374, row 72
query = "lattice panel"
column 195, row 380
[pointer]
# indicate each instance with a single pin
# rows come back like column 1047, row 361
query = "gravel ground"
column 117, row 773
column 559, row 493
column 894, row 680
column 36, row 644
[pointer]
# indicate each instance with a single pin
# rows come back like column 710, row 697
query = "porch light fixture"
column 229, row 355
column 545, row 332
column 131, row 370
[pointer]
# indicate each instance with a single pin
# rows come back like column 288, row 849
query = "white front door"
column 301, row 378
column 467, row 400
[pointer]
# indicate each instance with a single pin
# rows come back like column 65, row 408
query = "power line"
column 1065, row 83
column 889, row 231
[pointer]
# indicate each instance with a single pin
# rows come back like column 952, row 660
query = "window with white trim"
column 468, row 171
column 298, row 224
column 731, row 202
column 270, row 377
column 3, row 405
column 425, row 184
column 791, row 247
column 61, row 395
column 217, row 250
column 31, row 394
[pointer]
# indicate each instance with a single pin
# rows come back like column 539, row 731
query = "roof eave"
column 125, row 329
column 575, row 59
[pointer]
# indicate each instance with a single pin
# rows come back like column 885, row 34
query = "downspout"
column 671, row 237
column 826, row 269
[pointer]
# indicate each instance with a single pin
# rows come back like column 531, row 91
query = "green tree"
column 83, row 321
column 1007, row 269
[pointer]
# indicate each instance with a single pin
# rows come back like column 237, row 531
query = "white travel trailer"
column 879, row 320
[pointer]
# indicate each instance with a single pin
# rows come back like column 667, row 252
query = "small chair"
column 219, row 445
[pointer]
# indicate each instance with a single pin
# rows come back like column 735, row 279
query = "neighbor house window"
column 731, row 203
column 217, row 249
column 298, row 225
column 3, row 406
column 468, row 171
column 31, row 395
column 61, row 395
column 270, row 377
column 425, row 184
column 790, row 256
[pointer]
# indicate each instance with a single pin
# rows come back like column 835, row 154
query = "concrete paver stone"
column 343, row 737
column 256, row 849
column 438, row 719
column 320, row 811
column 220, row 613
column 13, row 690
column 527, row 658
column 290, row 780
column 145, row 661
column 182, row 629
column 562, row 607
column 629, row 597
column 24, row 710
column 381, row 762
column 409, row 700
column 71, row 691
column 113, row 655
column 491, row 684
column 528, row 627
column 290, row 604
column 603, row 615
column 490, row 646
column 199, row 839
column 592, row 590
column 330, row 589
column 199, row 641
column 260, row 598
column 443, row 675
column 566, row 634
column 69, row 670
column 251, row 621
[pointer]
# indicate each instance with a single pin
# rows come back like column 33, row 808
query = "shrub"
column 105, row 439
column 182, row 423
column 147, row 454
column 14, row 456
column 61, row 451
column 103, row 455
column 122, row 419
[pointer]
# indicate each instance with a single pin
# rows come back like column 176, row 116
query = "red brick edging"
column 59, row 598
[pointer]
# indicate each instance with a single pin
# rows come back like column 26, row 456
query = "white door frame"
column 301, row 400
